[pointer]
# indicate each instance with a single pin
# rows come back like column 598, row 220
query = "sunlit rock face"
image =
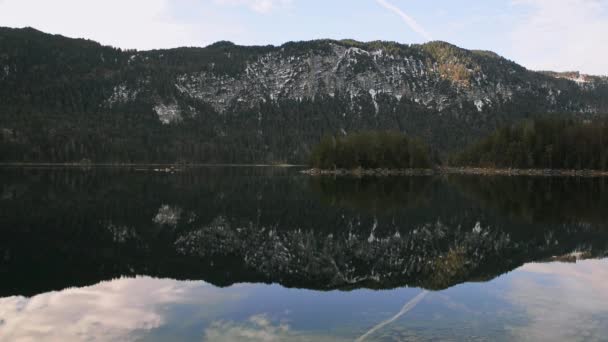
column 448, row 78
column 368, row 73
column 430, row 90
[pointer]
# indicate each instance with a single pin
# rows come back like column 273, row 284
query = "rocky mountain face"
column 265, row 103
column 438, row 76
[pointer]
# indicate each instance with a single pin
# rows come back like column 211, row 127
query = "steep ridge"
column 67, row 99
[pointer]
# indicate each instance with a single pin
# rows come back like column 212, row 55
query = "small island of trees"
column 535, row 147
column 370, row 150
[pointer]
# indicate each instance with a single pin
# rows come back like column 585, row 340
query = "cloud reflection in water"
column 563, row 301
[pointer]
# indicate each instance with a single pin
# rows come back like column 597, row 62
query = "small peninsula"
column 539, row 147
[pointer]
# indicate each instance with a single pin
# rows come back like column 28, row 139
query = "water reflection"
column 235, row 225
column 563, row 301
column 87, row 247
column 537, row 302
column 540, row 199
column 111, row 310
column 375, row 195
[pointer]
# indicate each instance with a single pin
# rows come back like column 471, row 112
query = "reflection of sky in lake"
column 548, row 301
column 563, row 301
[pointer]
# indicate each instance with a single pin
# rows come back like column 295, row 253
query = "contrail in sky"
column 407, row 307
column 406, row 18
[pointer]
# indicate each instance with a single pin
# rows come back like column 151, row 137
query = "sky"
column 560, row 35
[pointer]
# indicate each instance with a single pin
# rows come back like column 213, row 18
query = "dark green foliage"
column 539, row 199
column 370, row 150
column 541, row 144
column 378, row 195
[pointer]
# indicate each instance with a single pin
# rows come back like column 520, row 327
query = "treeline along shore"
column 539, row 147
column 457, row 170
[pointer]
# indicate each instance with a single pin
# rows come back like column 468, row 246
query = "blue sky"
column 539, row 34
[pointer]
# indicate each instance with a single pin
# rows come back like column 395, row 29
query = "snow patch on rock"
column 371, row 237
column 167, row 215
column 479, row 104
column 373, row 93
column 122, row 94
column 580, row 80
column 477, row 228
column 168, row 114
column 576, row 77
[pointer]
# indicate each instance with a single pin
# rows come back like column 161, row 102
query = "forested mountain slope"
column 65, row 99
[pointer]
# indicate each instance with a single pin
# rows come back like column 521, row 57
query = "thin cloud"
column 405, row 309
column 260, row 6
column 140, row 24
column 413, row 24
column 561, row 35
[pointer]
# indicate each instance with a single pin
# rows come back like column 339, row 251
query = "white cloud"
column 141, row 24
column 109, row 311
column 413, row 24
column 562, row 35
column 260, row 6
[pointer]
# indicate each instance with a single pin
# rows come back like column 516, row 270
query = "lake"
column 269, row 254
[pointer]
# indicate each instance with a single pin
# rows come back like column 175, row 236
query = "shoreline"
column 119, row 165
column 359, row 172
column 456, row 171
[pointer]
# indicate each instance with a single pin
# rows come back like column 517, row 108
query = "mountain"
column 65, row 99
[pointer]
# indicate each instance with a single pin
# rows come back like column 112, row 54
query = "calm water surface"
column 267, row 254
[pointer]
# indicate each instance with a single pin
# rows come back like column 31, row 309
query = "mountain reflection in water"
column 68, row 227
column 268, row 254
